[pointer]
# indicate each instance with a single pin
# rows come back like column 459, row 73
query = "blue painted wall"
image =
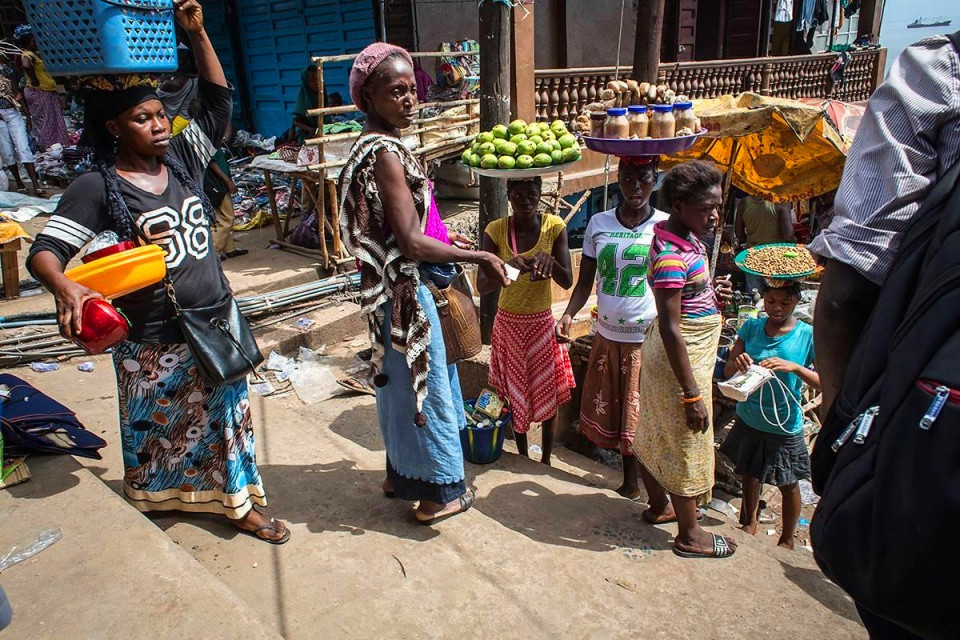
column 217, row 22
column 278, row 37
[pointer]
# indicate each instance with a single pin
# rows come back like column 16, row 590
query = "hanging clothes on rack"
column 782, row 28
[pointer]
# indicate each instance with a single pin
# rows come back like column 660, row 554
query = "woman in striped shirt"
column 674, row 440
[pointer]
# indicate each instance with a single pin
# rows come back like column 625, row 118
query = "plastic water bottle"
column 803, row 524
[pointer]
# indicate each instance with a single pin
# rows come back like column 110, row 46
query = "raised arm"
column 189, row 15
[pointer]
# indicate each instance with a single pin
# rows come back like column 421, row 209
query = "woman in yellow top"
column 528, row 368
column 43, row 102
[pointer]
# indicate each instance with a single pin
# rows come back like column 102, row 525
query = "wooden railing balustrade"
column 564, row 93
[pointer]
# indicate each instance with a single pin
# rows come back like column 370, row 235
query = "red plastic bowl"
column 101, row 327
column 108, row 251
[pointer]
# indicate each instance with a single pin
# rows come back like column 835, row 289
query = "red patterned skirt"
column 529, row 368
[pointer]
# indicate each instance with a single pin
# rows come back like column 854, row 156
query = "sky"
column 899, row 13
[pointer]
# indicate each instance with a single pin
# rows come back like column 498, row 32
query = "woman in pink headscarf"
column 385, row 216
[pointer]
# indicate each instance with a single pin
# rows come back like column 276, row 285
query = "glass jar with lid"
column 662, row 122
column 616, row 124
column 597, row 120
column 639, row 122
column 685, row 117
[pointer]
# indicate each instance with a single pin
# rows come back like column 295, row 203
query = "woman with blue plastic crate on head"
column 186, row 446
column 766, row 443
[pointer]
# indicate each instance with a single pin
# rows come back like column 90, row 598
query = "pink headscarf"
column 365, row 63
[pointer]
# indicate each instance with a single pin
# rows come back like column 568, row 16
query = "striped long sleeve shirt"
column 907, row 140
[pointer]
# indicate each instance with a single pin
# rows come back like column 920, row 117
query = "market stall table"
column 313, row 182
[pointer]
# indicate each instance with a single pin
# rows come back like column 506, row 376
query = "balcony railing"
column 563, row 93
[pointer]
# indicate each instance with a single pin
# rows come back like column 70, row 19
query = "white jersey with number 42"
column 624, row 300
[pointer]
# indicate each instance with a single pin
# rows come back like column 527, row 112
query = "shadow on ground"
column 56, row 478
column 592, row 522
column 325, row 497
column 360, row 426
column 816, row 585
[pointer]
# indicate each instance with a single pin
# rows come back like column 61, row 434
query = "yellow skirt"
column 681, row 460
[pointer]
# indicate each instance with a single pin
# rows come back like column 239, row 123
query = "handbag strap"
column 438, row 297
column 167, row 281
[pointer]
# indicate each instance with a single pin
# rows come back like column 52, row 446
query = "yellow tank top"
column 525, row 296
column 45, row 81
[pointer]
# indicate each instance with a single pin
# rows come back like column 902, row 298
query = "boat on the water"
column 920, row 23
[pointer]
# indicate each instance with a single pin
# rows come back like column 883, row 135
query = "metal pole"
column 718, row 232
column 383, row 21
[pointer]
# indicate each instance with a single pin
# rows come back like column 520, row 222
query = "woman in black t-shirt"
column 185, row 446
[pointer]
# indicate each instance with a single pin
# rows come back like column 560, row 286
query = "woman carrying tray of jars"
column 615, row 256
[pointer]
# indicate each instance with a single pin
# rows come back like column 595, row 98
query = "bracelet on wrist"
column 693, row 400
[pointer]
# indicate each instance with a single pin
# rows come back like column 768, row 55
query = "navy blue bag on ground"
column 33, row 422
column 887, row 461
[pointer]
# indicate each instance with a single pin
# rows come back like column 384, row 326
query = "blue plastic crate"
column 85, row 37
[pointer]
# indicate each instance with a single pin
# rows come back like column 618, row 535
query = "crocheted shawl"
column 385, row 274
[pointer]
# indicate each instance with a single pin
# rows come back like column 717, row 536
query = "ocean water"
column 895, row 36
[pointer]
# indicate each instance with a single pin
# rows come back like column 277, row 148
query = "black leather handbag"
column 219, row 338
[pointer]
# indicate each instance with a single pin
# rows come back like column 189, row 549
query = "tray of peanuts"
column 781, row 262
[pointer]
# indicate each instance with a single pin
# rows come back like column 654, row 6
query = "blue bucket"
column 483, row 445
column 86, row 37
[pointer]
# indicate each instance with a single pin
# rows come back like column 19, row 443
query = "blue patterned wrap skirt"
column 185, row 446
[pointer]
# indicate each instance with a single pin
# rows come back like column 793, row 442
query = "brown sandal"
column 271, row 526
column 356, row 385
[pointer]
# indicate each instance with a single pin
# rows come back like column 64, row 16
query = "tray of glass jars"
column 642, row 146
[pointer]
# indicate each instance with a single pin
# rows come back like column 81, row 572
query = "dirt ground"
column 547, row 552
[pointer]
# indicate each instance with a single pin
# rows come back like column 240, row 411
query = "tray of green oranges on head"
column 521, row 150
column 781, row 261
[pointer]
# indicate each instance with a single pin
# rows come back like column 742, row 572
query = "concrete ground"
column 547, row 552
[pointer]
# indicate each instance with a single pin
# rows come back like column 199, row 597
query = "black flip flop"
column 720, row 549
column 467, row 500
column 236, row 253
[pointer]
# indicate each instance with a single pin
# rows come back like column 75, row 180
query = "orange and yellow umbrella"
column 774, row 149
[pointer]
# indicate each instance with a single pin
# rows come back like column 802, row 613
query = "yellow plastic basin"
column 121, row 273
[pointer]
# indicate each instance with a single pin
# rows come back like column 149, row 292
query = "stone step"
column 113, row 574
